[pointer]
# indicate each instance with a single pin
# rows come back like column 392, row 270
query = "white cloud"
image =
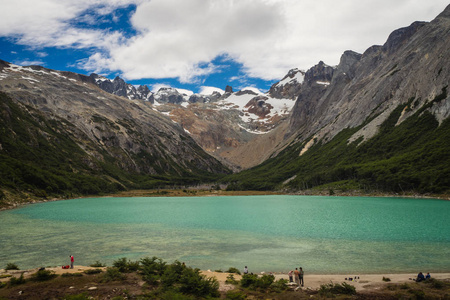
column 29, row 63
column 53, row 23
column 180, row 38
column 267, row 37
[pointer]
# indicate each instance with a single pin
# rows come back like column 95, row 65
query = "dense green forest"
column 39, row 157
column 411, row 157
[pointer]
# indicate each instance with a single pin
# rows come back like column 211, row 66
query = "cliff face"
column 412, row 66
column 137, row 138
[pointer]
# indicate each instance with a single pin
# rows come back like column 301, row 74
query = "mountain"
column 377, row 121
column 221, row 123
column 61, row 134
column 120, row 88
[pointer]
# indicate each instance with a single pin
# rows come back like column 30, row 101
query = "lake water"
column 266, row 233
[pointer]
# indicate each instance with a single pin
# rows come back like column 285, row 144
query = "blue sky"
column 192, row 44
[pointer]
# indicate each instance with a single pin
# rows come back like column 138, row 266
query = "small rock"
column 92, row 288
column 71, row 287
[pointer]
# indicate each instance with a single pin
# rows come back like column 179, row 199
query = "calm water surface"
column 267, row 233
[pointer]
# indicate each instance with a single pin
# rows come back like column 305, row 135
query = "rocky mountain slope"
column 221, row 123
column 59, row 121
column 379, row 119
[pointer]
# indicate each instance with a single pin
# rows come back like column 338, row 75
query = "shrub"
column 234, row 270
column 231, row 279
column 179, row 278
column 121, row 264
column 151, row 269
column 92, row 271
column 434, row 283
column 192, row 282
column 153, row 265
column 279, row 285
column 43, row 275
column 418, row 294
column 125, row 266
column 336, row 289
column 113, row 274
column 11, row 266
column 17, row 281
column 133, row 266
column 97, row 264
column 172, row 274
column 265, row 281
column 249, row 280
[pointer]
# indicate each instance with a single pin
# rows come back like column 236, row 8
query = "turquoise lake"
column 266, row 233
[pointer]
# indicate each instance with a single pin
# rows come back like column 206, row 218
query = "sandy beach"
column 314, row 281
column 363, row 282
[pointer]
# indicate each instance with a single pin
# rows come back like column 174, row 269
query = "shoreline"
column 208, row 193
column 362, row 282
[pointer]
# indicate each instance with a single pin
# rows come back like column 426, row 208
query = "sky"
column 198, row 44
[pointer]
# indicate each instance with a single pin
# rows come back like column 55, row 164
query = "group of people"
column 421, row 277
column 296, row 275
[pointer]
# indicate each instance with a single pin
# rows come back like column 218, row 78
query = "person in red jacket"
column 71, row 261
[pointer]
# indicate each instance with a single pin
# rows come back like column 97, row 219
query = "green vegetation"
column 176, row 278
column 113, row 274
column 97, row 264
column 41, row 157
column 413, row 156
column 16, row 281
column 231, row 279
column 92, row 271
column 264, row 283
column 178, row 281
column 331, row 289
column 43, row 275
column 125, row 266
column 234, row 270
column 11, row 266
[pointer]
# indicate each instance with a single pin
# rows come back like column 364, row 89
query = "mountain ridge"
column 370, row 96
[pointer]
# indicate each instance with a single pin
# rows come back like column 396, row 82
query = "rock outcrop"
column 138, row 139
column 412, row 66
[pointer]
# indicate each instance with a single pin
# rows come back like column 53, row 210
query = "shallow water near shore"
column 267, row 233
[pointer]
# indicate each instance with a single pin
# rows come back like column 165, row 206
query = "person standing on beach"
column 296, row 275
column 71, row 261
column 300, row 276
column 290, row 275
column 245, row 270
